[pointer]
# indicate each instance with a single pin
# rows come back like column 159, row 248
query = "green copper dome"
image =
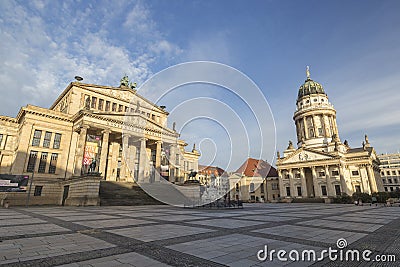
column 310, row 87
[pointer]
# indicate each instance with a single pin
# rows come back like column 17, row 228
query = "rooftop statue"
column 308, row 72
column 124, row 81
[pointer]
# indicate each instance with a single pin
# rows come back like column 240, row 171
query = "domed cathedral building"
column 323, row 166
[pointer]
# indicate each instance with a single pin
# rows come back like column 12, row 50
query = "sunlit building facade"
column 323, row 166
column 92, row 132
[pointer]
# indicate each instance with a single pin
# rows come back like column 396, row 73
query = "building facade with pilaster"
column 322, row 166
column 92, row 132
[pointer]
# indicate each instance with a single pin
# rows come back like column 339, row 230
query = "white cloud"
column 41, row 54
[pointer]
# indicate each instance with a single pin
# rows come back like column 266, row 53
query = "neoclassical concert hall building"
column 322, row 166
column 92, row 132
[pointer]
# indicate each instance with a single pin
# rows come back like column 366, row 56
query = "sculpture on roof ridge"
column 124, row 81
column 308, row 73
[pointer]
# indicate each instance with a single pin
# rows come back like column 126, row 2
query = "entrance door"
column 65, row 194
column 309, row 182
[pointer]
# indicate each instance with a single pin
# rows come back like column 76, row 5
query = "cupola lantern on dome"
column 310, row 87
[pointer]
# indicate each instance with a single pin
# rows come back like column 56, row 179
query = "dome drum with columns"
column 323, row 166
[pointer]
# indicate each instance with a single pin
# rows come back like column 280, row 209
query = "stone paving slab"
column 35, row 229
column 126, row 259
column 19, row 221
column 365, row 227
column 312, row 233
column 227, row 223
column 237, row 249
column 113, row 223
column 85, row 217
column 158, row 232
column 47, row 246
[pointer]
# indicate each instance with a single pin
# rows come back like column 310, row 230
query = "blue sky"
column 352, row 47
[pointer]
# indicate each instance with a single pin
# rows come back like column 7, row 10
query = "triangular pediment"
column 306, row 154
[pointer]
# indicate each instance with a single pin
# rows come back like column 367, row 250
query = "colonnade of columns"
column 312, row 186
column 132, row 163
column 320, row 120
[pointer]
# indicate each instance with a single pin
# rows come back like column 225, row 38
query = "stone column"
column 104, row 153
column 335, row 129
column 315, row 127
column 372, row 179
column 80, row 150
column 303, row 183
column 326, row 126
column 131, row 162
column 315, row 182
column 305, row 127
column 172, row 160
column 343, row 184
column 282, row 187
column 329, row 190
column 125, row 156
column 158, row 161
column 143, row 162
column 293, row 191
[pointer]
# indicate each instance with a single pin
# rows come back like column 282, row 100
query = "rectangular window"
column 94, row 102
column 296, row 175
column 320, row 132
column 355, row 173
column 114, row 107
column 57, row 141
column 32, row 161
column 38, row 190
column 108, row 105
column 262, row 188
column 386, row 189
column 387, row 172
column 42, row 162
column 120, row 107
column 53, row 163
column 299, row 191
column 390, row 180
column 36, row 138
column 335, row 173
column 321, row 174
column 288, row 191
column 337, row 190
column 383, row 180
column 101, row 103
column 393, row 173
column 395, row 180
column 177, row 159
column 274, row 186
column 323, row 190
column 126, row 109
column 47, row 139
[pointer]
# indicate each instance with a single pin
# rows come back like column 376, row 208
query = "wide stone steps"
column 124, row 194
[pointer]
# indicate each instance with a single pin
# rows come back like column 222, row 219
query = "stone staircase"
column 124, row 194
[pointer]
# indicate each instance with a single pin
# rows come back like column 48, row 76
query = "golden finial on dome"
column 308, row 72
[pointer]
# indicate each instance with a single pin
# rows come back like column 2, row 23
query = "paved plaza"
column 170, row 236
